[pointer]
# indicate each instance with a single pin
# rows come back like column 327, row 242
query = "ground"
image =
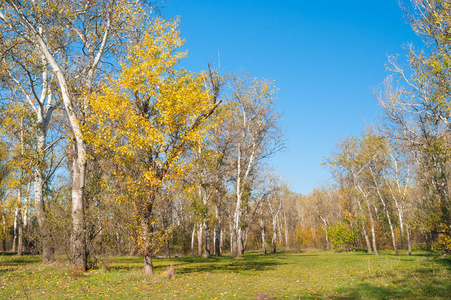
column 287, row 275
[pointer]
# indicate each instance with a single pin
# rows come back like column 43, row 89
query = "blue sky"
column 326, row 58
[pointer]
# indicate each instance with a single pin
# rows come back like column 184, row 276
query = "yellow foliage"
column 20, row 157
column 444, row 239
column 152, row 108
column 150, row 116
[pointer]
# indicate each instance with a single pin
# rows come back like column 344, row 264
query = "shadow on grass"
column 14, row 260
column 446, row 262
column 420, row 283
column 195, row 264
column 247, row 262
column 372, row 291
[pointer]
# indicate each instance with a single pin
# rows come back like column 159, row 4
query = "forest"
column 109, row 148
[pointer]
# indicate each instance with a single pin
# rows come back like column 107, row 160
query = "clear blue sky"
column 326, row 57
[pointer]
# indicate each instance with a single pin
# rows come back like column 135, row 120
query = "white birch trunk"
column 192, row 239
column 326, row 232
column 237, row 214
column 262, row 227
column 200, row 239
column 365, row 234
column 409, row 248
column 47, row 249
column 370, row 215
column 386, row 211
column 286, row 229
column 218, row 233
column 274, row 235
column 16, row 213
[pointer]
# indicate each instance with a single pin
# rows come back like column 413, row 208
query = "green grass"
column 286, row 275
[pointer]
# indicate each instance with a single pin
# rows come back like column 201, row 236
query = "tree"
column 208, row 175
column 350, row 164
column 256, row 137
column 326, row 205
column 417, row 111
column 376, row 149
column 72, row 38
column 148, row 119
column 4, row 170
column 398, row 180
column 31, row 84
column 18, row 134
column 275, row 204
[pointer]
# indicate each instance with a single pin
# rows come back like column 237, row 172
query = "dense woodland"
column 108, row 147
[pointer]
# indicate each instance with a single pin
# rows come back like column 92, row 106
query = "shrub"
column 342, row 237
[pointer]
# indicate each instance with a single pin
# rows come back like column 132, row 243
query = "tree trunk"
column 44, row 230
column 218, row 240
column 234, row 241
column 148, row 265
column 236, row 217
column 239, row 240
column 370, row 215
column 386, row 213
column 427, row 239
column 4, row 231
column 79, row 165
column 315, row 243
column 118, row 244
column 78, row 208
column 221, row 241
column 192, row 239
column 367, row 239
column 401, row 228
column 365, row 196
column 207, row 253
column 400, row 217
column 47, row 249
column 218, row 233
column 408, row 239
column 279, row 231
column 146, row 229
column 286, row 230
column 391, row 227
column 373, row 232
column 274, row 235
column 240, row 180
column 365, row 234
column 19, row 234
column 392, row 232
column 25, row 229
column 200, row 240
column 16, row 212
column 235, row 236
column 327, row 239
column 262, row 226
column 244, row 236
column 326, row 232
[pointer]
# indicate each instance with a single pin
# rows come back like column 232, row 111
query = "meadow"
column 310, row 274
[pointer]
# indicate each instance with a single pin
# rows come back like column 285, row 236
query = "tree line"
column 109, row 147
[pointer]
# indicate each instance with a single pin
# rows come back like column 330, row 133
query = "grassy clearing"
column 286, row 275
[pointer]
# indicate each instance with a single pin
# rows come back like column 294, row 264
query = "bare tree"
column 256, row 137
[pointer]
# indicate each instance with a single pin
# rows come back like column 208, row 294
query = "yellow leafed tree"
column 148, row 119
